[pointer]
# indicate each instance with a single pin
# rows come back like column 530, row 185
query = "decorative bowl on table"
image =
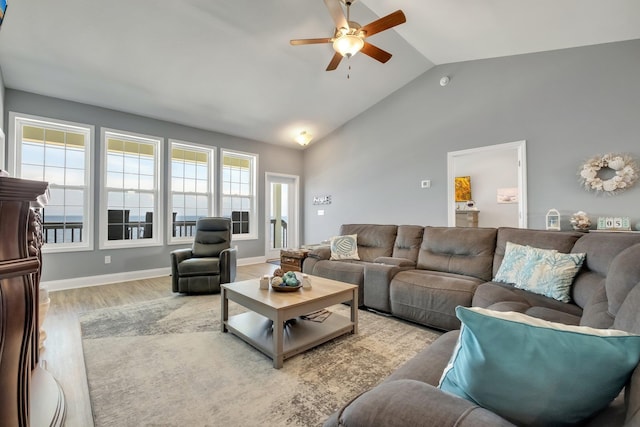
column 289, row 282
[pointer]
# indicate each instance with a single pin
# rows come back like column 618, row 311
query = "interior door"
column 494, row 171
column 282, row 207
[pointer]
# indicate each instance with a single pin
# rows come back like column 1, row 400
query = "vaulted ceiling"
column 228, row 66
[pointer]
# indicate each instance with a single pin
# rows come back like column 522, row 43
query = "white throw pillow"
column 541, row 271
column 344, row 247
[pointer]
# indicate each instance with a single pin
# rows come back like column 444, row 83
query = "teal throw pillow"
column 537, row 373
column 345, row 247
column 542, row 271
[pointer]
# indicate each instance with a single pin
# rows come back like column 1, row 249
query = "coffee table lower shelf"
column 299, row 335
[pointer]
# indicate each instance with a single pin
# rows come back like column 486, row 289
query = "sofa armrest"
column 398, row 262
column 377, row 279
column 412, row 403
column 177, row 256
column 321, row 253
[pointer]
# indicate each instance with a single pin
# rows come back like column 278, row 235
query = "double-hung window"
column 239, row 172
column 131, row 213
column 191, row 170
column 60, row 153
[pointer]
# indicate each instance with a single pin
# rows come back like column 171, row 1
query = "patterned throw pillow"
column 344, row 247
column 534, row 372
column 541, row 271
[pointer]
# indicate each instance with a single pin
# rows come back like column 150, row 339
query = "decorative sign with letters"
column 614, row 223
column 321, row 200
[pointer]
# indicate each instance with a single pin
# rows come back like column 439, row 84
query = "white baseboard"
column 254, row 260
column 105, row 279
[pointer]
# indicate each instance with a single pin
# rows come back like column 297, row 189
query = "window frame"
column 14, row 165
column 253, row 216
column 158, row 217
column 211, row 152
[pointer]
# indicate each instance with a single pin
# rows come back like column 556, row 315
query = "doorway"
column 493, row 170
column 282, row 213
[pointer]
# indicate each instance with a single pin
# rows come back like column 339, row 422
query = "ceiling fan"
column 349, row 37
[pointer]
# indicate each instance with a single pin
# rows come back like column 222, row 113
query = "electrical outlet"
column 107, row 259
column 425, row 183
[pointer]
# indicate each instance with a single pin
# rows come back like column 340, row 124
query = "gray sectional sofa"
column 421, row 274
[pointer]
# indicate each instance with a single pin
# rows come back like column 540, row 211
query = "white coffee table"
column 268, row 307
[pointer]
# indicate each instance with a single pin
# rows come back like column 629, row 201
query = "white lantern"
column 553, row 219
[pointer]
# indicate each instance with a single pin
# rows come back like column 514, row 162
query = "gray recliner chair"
column 209, row 262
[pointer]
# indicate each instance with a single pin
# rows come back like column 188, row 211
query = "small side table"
column 292, row 259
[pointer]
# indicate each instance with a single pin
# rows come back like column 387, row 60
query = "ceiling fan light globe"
column 348, row 45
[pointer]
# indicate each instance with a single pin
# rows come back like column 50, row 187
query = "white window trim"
column 253, row 219
column 158, row 217
column 15, row 159
column 212, row 185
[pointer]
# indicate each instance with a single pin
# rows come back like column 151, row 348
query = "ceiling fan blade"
column 297, row 42
column 335, row 61
column 384, row 23
column 335, row 10
column 375, row 52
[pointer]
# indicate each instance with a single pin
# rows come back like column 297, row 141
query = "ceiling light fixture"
column 348, row 44
column 303, row 138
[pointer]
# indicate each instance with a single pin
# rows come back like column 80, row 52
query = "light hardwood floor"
column 63, row 355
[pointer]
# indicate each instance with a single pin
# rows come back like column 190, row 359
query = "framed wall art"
column 463, row 188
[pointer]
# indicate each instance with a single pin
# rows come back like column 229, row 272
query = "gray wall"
column 569, row 105
column 89, row 263
column 1, row 101
column 3, row 154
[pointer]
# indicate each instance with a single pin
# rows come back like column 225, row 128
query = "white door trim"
column 521, row 149
column 293, row 229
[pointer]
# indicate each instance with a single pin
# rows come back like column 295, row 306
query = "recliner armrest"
column 177, row 256
column 181, row 254
column 228, row 261
column 398, row 262
column 413, row 403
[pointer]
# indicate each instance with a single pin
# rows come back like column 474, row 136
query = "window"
column 60, row 153
column 132, row 194
column 191, row 171
column 239, row 193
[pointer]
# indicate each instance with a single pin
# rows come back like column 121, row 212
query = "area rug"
column 166, row 363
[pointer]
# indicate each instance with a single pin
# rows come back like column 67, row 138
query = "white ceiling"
column 227, row 66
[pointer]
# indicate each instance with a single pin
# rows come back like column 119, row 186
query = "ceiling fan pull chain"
column 349, row 72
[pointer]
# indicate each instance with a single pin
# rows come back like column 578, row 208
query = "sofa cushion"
column 430, row 297
column 623, row 275
column 541, row 271
column 199, row 267
column 601, row 248
column 535, row 372
column 344, row 247
column 505, row 297
column 408, row 241
column 405, row 403
column 374, row 240
column 458, row 250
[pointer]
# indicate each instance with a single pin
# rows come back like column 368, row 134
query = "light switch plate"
column 425, row 183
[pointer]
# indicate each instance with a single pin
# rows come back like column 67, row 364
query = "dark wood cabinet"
column 29, row 396
column 291, row 260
